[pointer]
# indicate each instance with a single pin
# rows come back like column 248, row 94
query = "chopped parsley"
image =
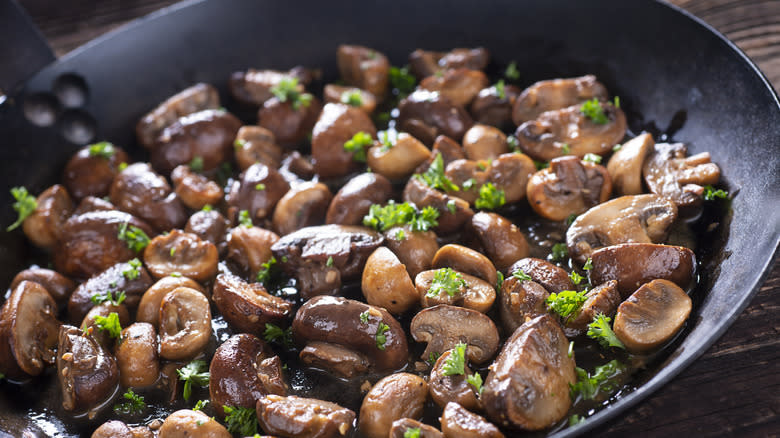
column 499, row 280
column 565, row 149
column 352, row 98
column 710, row 193
column 242, row 421
column 287, row 90
column 512, row 72
column 400, row 234
column 358, row 144
column 490, row 197
column 434, row 176
column 108, row 296
column 475, row 380
column 275, row 334
column 25, row 205
column 588, row 265
column 559, row 252
column 207, row 208
column 469, row 184
column 103, row 149
column 194, row 373
column 541, row 164
column 451, row 206
column 122, row 166
column 200, row 405
column 134, row 271
column 381, row 338
column 364, row 317
column 602, row 379
column 500, row 90
column 109, row 324
column 616, row 102
column 446, row 280
column 600, row 330
column 455, row 364
column 521, row 275
column 570, row 353
column 135, row 237
column 412, row 432
column 383, row 218
column 617, row 147
column 401, row 80
column 259, row 187
column 592, row 158
column 593, row 110
column 239, row 144
column 196, row 164
column 575, row 277
column 266, row 271
column 244, row 219
column 433, row 356
column 566, row 303
column 570, row 220
column 134, row 405
column 329, row 263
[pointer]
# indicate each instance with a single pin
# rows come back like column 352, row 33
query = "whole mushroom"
column 443, row 326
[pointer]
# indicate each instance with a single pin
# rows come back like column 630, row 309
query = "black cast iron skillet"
column 676, row 77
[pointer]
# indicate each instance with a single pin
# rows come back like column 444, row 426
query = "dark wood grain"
column 734, row 388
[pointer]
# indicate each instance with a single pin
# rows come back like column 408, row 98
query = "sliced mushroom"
column 458, row 422
column 149, row 307
column 398, row 160
column 320, row 257
column 386, row 283
column 182, row 253
column 603, row 299
column 528, row 384
column 425, row 63
column 520, row 301
column 466, row 260
column 354, row 199
column 247, row 307
column 556, row 94
column 255, row 144
column 634, row 264
column 453, row 211
column 185, row 423
column 205, row 136
column 290, row 122
column 44, row 226
column 337, row 320
column 637, row 218
column 474, row 293
column 443, row 326
column 90, row 242
column 243, row 371
column 568, row 187
column 426, row 114
column 459, row 85
column 651, row 316
column 190, row 100
column 493, row 106
column 625, row 165
column 335, row 358
column 120, row 277
column 87, row 372
column 104, row 310
column 402, row 427
column 362, row 99
column 28, row 330
column 449, row 150
column 195, row 190
column 337, row 124
column 253, row 87
column 136, row 355
column 482, row 142
column 415, row 249
column 259, row 189
column 303, row 205
column 185, row 324
column 396, row 396
column 501, row 240
column 141, row 192
column 305, row 417
column 554, row 133
column 59, row 286
column 669, row 173
column 364, row 68
column 210, row 226
column 248, row 248
column 451, row 388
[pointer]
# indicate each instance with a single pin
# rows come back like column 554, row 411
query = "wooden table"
column 734, row 389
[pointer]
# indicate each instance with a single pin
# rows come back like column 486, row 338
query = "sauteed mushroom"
column 210, row 226
column 403, row 426
column 354, row 199
column 501, row 240
column 92, row 169
column 353, row 96
column 193, row 189
column 419, row 194
column 255, row 144
column 141, row 192
column 458, row 422
column 186, row 423
column 248, row 306
column 185, row 324
column 386, row 283
column 104, row 310
column 458, row 85
column 304, row 417
column 87, row 373
column 493, row 105
column 337, row 124
column 625, row 165
column 555, row 94
column 59, row 286
column 394, row 397
column 118, row 429
column 190, row 100
column 290, row 122
column 149, row 307
column 521, row 300
column 473, row 293
column 258, row 191
column 449, row 150
column 253, row 87
column 446, row 388
column 483, row 142
column 136, row 355
column 182, row 253
column 444, row 326
column 415, row 249
column 303, row 205
column 426, row 114
column 337, row 359
column 466, row 260
column 602, row 299
column 397, row 160
column 364, row 68
column 425, row 63
column 44, row 226
column 132, row 279
column 248, row 248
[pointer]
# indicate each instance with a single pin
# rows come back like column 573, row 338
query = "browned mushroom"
column 569, row 131
column 255, row 144
column 337, row 359
column 259, row 189
column 501, row 240
column 458, row 422
column 473, row 292
column 470, row 176
column 210, row 226
column 149, row 307
column 528, row 384
column 625, row 165
column 493, row 105
column 508, row 172
column 182, row 253
column 394, row 397
column 59, row 286
column 104, row 310
column 459, row 85
column 415, row 249
column 338, row 320
column 466, row 260
column 206, row 137
column 141, row 192
column 426, row 114
column 425, row 63
column 637, row 218
column 651, row 316
column 337, row 124
column 186, row 423
column 445, row 388
column 556, row 94
column 118, row 429
column 355, row 198
column 568, row 187
column 634, row 264
column 364, row 68
column 289, row 122
column 520, row 300
column 87, row 372
column 386, row 283
column 449, row 150
column 44, row 226
column 443, row 326
column 248, row 248
column 247, row 307
column 453, row 211
column 602, row 299
column 403, row 426
column 321, row 257
column 91, row 203
column 90, row 171
column 253, row 87
column 190, row 100
column 185, row 324
column 193, row 189
column 305, row 417
column 669, row 173
column 353, row 96
column 28, row 330
column 482, row 142
column 132, row 279
column 397, row 160
column 243, row 370
column 136, row 355
column 303, row 205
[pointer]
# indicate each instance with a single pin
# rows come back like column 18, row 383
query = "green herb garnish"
column 381, row 338
column 593, row 110
column 402, row 81
column 435, row 178
column 244, row 219
column 592, row 158
column 364, row 317
column 559, row 252
column 109, row 324
column 287, row 90
column 135, row 237
column 25, row 205
column 352, row 98
column 383, row 218
column 103, row 149
column 196, row 164
column 242, row 421
column 446, row 280
column 412, row 432
column 358, row 144
column 455, row 364
column 512, row 72
column 108, row 296
column 200, row 404
column 490, row 197
column 475, row 380
column 521, row 275
column 194, row 373
column 266, row 271
column 500, row 91
column 602, row 379
column 566, row 303
column 710, row 193
column 134, row 405
column 275, row 334
column 134, row 271
column 600, row 330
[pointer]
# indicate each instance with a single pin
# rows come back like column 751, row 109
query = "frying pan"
column 676, row 78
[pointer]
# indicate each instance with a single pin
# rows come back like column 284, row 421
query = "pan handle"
column 23, row 49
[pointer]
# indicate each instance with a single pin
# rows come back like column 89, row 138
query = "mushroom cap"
column 298, row 416
column 185, row 423
column 453, row 388
column 483, row 142
column 53, row 207
column 465, row 260
column 426, row 114
column 354, row 199
column 457, row 421
column 185, row 323
column 459, row 85
column 136, row 355
column 111, row 279
column 635, row 218
column 625, row 165
column 443, row 326
column 521, row 300
column 88, row 373
column 400, row 160
column 553, row 278
column 555, row 94
column 247, row 307
column 303, row 205
column 386, row 283
column 603, row 299
column 419, row 194
column 336, row 125
column 181, row 252
column 393, row 397
column 140, row 191
column 501, row 239
column 257, row 144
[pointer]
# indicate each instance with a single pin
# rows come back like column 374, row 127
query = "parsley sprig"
column 25, row 205
column 434, row 176
column 108, row 296
column 490, row 197
column 383, row 218
column 134, row 271
column 446, row 280
column 288, row 90
column 277, row 335
column 109, row 324
column 566, row 303
column 559, row 252
column 352, row 98
column 194, row 373
column 455, row 364
column 266, row 271
column 475, row 380
column 412, row 432
column 401, row 81
column 381, row 337
column 135, row 403
column 135, row 237
column 602, row 380
column 358, row 144
column 242, row 421
column 600, row 330
column 593, row 110
column 710, row 193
